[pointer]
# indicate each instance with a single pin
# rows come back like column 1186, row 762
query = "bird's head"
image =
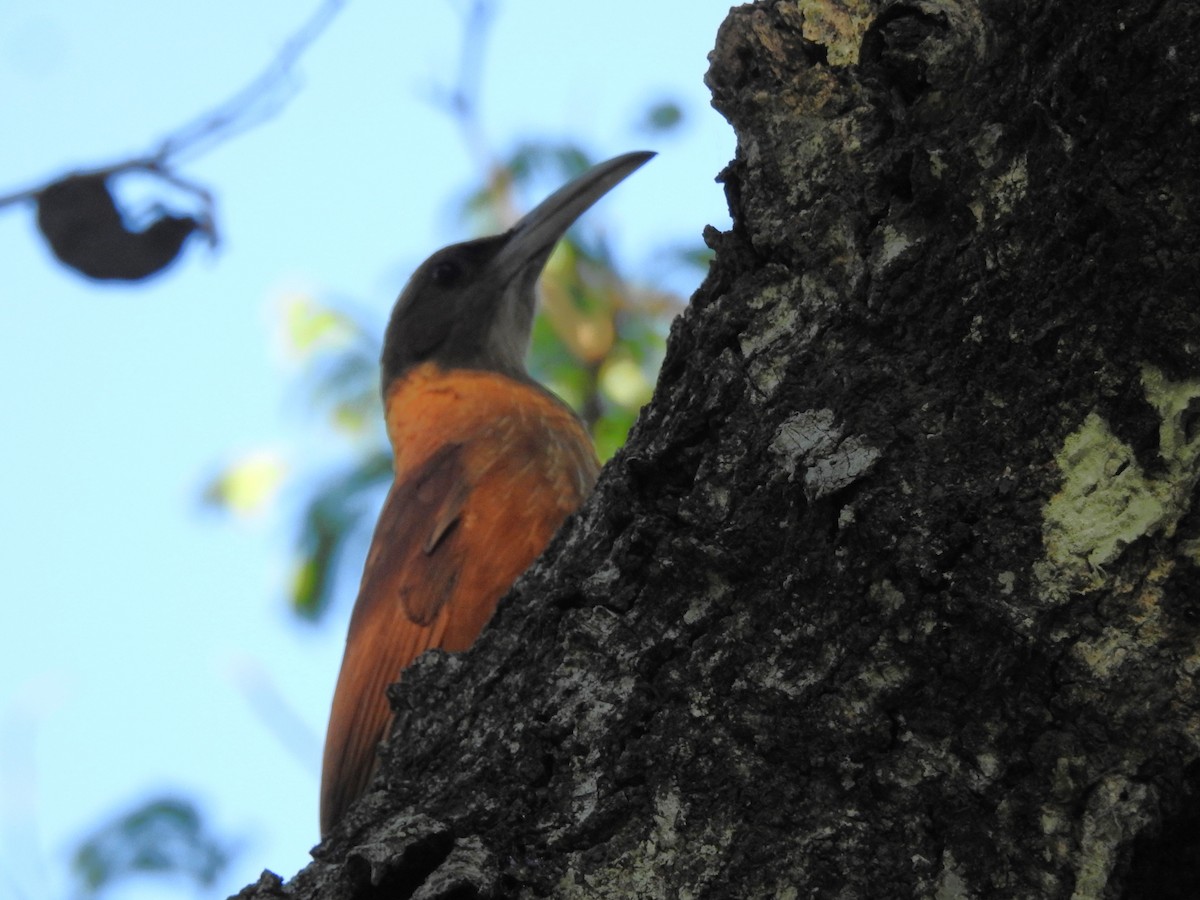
column 471, row 305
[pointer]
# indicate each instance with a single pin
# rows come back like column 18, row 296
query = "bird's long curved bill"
column 532, row 238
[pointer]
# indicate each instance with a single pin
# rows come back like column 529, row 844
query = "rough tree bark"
column 894, row 591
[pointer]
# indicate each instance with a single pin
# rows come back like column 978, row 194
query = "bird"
column 487, row 465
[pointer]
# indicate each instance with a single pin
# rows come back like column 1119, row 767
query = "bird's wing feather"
column 454, row 534
column 410, row 574
column 412, row 559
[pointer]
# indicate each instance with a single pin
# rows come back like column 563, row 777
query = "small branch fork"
column 260, row 100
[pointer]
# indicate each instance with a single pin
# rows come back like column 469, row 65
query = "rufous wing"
column 410, row 575
column 454, row 535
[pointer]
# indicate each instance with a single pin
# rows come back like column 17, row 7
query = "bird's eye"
column 446, row 273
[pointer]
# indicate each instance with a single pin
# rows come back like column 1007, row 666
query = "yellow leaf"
column 249, row 485
column 308, row 326
column 625, row 383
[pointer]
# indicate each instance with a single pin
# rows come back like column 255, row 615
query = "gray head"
column 471, row 305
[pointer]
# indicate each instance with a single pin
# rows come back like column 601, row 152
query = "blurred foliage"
column 249, row 485
column 662, row 116
column 165, row 837
column 338, row 510
column 598, row 341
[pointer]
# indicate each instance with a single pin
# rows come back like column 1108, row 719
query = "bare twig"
column 464, row 98
column 258, row 101
column 254, row 104
column 461, row 102
column 276, row 714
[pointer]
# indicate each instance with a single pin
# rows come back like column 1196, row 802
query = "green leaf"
column 165, row 836
column 332, row 516
column 610, row 432
column 663, row 116
column 559, row 161
column 694, row 257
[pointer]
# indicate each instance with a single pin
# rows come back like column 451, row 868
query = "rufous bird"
column 488, row 464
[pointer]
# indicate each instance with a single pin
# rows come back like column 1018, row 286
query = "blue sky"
column 134, row 625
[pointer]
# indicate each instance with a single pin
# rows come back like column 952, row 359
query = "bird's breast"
column 511, row 432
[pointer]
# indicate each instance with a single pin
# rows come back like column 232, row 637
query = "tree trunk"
column 894, row 591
